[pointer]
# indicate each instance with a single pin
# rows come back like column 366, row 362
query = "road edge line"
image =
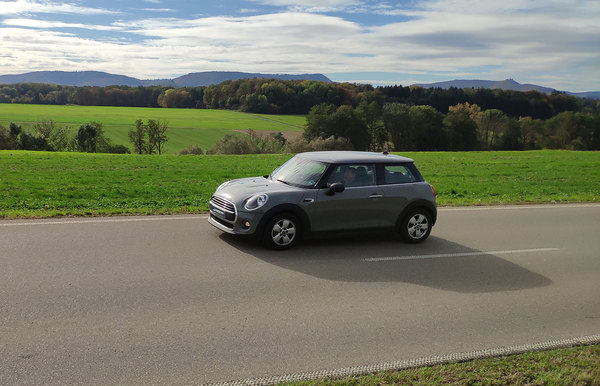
column 419, row 362
column 101, row 220
column 517, row 206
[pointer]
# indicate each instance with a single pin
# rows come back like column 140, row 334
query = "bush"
column 57, row 137
column 191, row 150
column 251, row 144
column 318, row 144
column 235, row 144
column 6, row 141
column 28, row 141
column 117, row 149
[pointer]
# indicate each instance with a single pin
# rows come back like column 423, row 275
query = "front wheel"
column 282, row 231
column 415, row 227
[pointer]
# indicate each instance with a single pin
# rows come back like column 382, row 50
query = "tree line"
column 47, row 136
column 340, row 116
column 402, row 127
column 275, row 96
column 149, row 138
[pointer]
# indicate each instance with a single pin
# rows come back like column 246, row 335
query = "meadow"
column 42, row 184
column 186, row 126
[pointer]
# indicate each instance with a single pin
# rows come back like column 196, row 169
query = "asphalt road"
column 172, row 300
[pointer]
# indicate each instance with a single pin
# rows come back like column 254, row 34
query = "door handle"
column 376, row 195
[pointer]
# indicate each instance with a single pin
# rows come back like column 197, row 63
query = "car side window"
column 353, row 175
column 398, row 174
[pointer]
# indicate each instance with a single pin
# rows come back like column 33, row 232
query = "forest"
column 367, row 117
column 271, row 96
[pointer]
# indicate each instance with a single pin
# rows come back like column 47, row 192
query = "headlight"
column 256, row 201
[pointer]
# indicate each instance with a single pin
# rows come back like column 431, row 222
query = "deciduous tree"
column 397, row 123
column 461, row 131
column 137, row 137
column 89, row 136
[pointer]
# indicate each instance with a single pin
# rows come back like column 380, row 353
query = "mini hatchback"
column 328, row 191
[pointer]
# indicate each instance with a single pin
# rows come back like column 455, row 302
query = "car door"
column 399, row 188
column 357, row 207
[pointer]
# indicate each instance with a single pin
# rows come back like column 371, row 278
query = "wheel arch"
column 285, row 208
column 427, row 205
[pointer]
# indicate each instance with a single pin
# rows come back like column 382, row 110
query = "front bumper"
column 245, row 223
column 225, row 217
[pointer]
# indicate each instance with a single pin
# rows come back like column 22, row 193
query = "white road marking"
column 9, row 223
column 459, row 254
column 102, row 220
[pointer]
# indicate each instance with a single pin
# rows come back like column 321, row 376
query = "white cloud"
column 158, row 9
column 313, row 6
column 553, row 44
column 248, row 10
column 43, row 24
column 307, row 3
column 33, row 7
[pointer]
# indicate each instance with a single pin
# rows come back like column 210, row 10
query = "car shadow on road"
column 345, row 259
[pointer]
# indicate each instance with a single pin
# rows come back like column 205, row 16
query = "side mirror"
column 336, row 187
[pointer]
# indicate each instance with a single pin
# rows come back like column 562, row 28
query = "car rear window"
column 398, row 174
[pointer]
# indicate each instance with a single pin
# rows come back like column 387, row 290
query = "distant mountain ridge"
column 215, row 77
column 103, row 79
column 206, row 78
column 507, row 84
column 65, row 78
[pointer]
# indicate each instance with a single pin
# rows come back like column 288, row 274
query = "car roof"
column 352, row 156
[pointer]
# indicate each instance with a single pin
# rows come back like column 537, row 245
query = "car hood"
column 240, row 189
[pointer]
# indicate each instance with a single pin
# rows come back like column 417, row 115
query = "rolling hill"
column 507, row 84
column 216, row 77
column 206, row 78
column 103, row 79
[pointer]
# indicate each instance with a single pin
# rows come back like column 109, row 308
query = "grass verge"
column 40, row 184
column 571, row 366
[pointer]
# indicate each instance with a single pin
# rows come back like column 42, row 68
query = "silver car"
column 328, row 191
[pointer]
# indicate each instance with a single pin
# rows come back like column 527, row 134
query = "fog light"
column 247, row 225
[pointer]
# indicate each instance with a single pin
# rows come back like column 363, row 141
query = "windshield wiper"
column 285, row 182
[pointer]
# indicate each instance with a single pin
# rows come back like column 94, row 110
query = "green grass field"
column 40, row 184
column 186, row 126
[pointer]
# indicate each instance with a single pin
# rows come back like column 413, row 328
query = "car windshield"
column 300, row 172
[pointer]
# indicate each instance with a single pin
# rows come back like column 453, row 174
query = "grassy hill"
column 186, row 126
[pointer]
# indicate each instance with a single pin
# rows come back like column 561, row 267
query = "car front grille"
column 222, row 203
column 223, row 208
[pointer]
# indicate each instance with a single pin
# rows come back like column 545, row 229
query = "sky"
column 552, row 43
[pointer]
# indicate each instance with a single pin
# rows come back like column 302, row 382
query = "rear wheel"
column 282, row 231
column 415, row 226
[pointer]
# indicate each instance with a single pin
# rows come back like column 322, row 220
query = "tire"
column 282, row 231
column 415, row 226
